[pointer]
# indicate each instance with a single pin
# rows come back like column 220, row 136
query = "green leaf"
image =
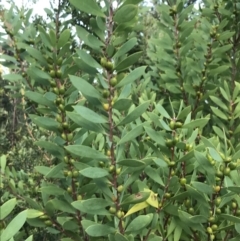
column 162, row 111
column 85, row 151
column 7, row 208
column 204, row 188
column 40, row 99
column 131, row 163
column 136, row 113
column 37, row 55
column 14, row 226
column 119, row 237
column 32, row 213
column 219, row 113
column 63, row 38
column 83, row 86
column 88, row 59
column 218, row 102
column 62, row 206
column 219, row 70
column 52, row 148
column 95, row 204
column 128, row 61
column 196, row 123
column 131, row 135
column 90, row 7
column 89, row 114
column 3, row 162
column 52, row 189
column 122, row 104
column 132, row 76
column 82, row 122
column 99, row 230
column 125, row 48
column 45, row 122
column 154, row 175
column 177, row 233
column 230, row 218
column 136, row 198
column 139, row 223
column 30, row 238
column 125, row 13
column 94, row 172
column 12, row 77
column 55, row 172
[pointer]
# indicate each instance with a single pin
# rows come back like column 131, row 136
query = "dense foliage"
column 120, row 121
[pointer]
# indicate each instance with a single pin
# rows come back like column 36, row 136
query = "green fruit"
column 218, row 211
column 65, row 125
column 69, row 136
column 59, row 118
column 113, row 82
column 169, row 143
column 53, row 83
column 109, row 66
column 69, row 189
column 48, row 222
column 228, row 159
column 106, row 106
column 118, row 171
column 167, row 195
column 112, row 210
column 59, row 73
column 187, row 203
column 44, row 217
column 103, row 62
column 62, row 90
column 61, row 107
column 178, row 124
column 209, row 230
column 59, row 61
column 212, row 219
column 79, row 197
column 172, row 125
column 65, row 173
column 52, row 73
column 191, row 210
column 227, row 171
column 232, row 165
column 119, row 214
column 218, row 201
column 172, row 164
column 219, row 173
column 75, row 173
column 183, row 181
column 105, row 93
column 70, row 174
column 64, row 137
column 217, row 188
column 55, row 90
column 234, row 205
column 111, row 168
column 120, row 188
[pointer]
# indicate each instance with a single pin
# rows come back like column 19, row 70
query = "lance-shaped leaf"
column 136, row 198
column 94, row 172
column 131, row 135
column 137, row 207
column 45, row 122
column 88, row 59
column 89, row 114
column 132, row 76
column 127, row 62
column 7, row 208
column 125, row 13
column 85, row 151
column 137, row 112
column 139, row 222
column 125, row 47
column 40, row 99
column 84, row 87
column 99, row 230
column 14, row 226
column 89, row 6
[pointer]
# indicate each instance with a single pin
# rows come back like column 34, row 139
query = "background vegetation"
column 120, row 121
